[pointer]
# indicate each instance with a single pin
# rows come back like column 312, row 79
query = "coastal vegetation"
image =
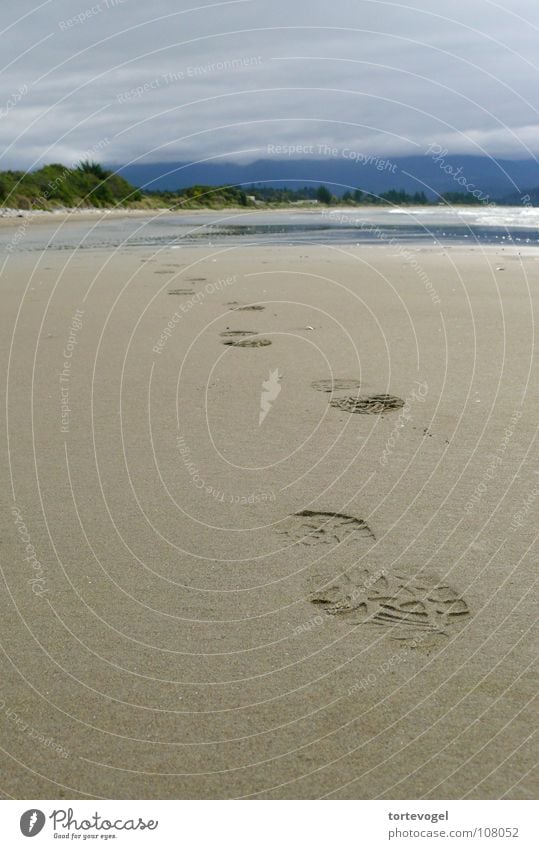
column 89, row 184
column 53, row 186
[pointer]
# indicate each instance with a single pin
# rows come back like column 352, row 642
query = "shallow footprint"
column 338, row 384
column 238, row 333
column 368, row 404
column 249, row 343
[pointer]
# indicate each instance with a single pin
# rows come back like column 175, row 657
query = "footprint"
column 249, row 307
column 313, row 527
column 368, row 404
column 338, row 384
column 249, row 343
column 405, row 604
column 163, row 271
column 196, row 279
column 238, row 333
column 181, row 292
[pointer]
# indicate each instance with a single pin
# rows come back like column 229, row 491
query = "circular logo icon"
column 32, row 822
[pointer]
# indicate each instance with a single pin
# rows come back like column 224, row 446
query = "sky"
column 126, row 81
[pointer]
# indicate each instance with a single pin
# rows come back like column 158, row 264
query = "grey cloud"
column 380, row 76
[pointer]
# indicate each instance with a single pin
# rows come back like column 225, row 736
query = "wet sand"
column 170, row 626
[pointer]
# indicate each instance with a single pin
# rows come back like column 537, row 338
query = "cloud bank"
column 129, row 81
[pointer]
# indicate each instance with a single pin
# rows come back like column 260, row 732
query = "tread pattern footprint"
column 338, row 384
column 312, row 527
column 408, row 605
column 181, row 292
column 368, row 404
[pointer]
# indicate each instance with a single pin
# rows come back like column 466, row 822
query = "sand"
column 176, row 629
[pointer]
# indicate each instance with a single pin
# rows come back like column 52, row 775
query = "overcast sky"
column 236, row 79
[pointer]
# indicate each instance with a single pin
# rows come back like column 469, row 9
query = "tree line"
column 88, row 184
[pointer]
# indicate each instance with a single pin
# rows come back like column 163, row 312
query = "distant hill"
column 492, row 178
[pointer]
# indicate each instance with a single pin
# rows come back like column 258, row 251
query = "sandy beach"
column 223, row 581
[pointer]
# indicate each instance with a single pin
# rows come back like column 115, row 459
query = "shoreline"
column 512, row 245
column 10, row 216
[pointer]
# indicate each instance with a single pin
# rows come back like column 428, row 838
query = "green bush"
column 89, row 184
